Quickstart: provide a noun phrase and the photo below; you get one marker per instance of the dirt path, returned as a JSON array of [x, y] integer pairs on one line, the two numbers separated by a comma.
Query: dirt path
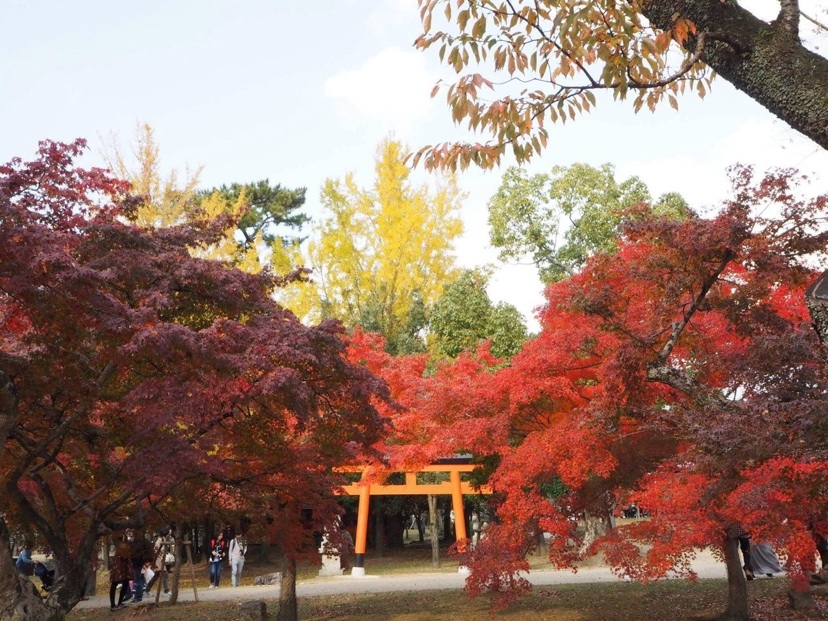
[[705, 565]]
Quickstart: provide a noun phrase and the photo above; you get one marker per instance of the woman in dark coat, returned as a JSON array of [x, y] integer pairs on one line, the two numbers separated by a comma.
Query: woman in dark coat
[[120, 573]]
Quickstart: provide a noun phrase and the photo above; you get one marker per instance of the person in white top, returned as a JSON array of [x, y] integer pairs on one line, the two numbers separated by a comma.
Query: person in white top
[[238, 548]]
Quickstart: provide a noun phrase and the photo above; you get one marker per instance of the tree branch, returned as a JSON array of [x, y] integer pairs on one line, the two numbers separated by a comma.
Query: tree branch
[[658, 371], [679, 326], [771, 67], [60, 430], [816, 23], [789, 16]]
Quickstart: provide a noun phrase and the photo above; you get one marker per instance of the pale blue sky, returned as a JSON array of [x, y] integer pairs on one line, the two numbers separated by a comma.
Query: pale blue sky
[[298, 91]]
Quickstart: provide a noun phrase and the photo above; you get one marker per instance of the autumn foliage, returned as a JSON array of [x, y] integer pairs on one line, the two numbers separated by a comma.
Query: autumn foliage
[[524, 65], [137, 378], [680, 371]]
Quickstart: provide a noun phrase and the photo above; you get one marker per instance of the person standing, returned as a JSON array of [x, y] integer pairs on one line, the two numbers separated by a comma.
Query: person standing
[[141, 555], [163, 550], [218, 550], [238, 548], [120, 573]]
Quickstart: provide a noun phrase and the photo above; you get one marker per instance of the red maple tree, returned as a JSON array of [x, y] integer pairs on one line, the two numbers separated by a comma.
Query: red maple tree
[[684, 368], [132, 374]]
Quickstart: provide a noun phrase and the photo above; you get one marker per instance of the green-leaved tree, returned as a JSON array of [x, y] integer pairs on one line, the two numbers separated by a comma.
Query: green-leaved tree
[[560, 219], [464, 316]]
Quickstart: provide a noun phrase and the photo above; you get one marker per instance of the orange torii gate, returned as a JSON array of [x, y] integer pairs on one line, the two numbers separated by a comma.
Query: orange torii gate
[[454, 487]]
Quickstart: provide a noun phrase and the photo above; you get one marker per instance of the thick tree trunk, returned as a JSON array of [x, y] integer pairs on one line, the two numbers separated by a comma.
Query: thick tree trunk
[[264, 551], [66, 593], [765, 61], [175, 577], [288, 609], [8, 406], [19, 600], [206, 537], [434, 530], [394, 525], [737, 603], [541, 548], [816, 298], [594, 527]]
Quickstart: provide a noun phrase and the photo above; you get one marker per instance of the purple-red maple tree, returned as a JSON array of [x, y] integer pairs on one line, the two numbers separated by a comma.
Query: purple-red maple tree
[[133, 374]]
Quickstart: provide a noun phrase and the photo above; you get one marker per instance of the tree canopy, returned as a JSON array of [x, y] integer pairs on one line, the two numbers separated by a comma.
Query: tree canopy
[[524, 63], [681, 368], [381, 255], [169, 198], [464, 316], [561, 219], [266, 224], [264, 220], [120, 351]]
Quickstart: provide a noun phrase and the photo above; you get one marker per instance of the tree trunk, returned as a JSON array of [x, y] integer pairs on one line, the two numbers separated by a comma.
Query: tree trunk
[[419, 521], [288, 610], [379, 528], [594, 527], [434, 531], [737, 604], [540, 546], [19, 600], [206, 537], [264, 551], [765, 61], [816, 298], [175, 577], [611, 504], [394, 531], [8, 408]]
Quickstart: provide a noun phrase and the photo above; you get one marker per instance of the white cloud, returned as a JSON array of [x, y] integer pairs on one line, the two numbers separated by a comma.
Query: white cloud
[[392, 88]]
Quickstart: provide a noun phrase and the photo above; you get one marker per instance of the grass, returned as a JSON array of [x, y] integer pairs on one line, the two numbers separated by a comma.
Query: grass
[[662, 601]]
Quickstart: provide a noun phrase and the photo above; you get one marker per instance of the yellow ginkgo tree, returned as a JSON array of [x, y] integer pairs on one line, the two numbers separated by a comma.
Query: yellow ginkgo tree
[[260, 213], [381, 255], [169, 198]]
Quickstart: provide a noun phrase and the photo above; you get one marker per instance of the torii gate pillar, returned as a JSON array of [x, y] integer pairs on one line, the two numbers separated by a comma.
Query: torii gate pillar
[[361, 543], [455, 487], [457, 505]]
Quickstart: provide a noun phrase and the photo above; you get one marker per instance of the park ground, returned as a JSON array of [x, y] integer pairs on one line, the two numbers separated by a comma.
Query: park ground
[[404, 587]]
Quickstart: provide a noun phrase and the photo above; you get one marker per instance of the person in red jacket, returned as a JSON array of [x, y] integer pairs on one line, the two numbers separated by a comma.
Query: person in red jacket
[[218, 552]]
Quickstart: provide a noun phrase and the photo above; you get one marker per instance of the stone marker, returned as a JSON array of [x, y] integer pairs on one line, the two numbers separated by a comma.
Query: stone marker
[[272, 578], [253, 611]]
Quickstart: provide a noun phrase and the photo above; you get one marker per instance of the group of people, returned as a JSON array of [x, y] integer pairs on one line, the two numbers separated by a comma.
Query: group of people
[[140, 562], [235, 552]]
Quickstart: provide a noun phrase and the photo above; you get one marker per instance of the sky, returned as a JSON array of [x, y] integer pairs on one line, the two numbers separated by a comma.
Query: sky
[[302, 91]]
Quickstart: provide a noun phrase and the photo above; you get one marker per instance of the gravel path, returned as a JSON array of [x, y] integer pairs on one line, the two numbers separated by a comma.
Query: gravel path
[[705, 566]]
